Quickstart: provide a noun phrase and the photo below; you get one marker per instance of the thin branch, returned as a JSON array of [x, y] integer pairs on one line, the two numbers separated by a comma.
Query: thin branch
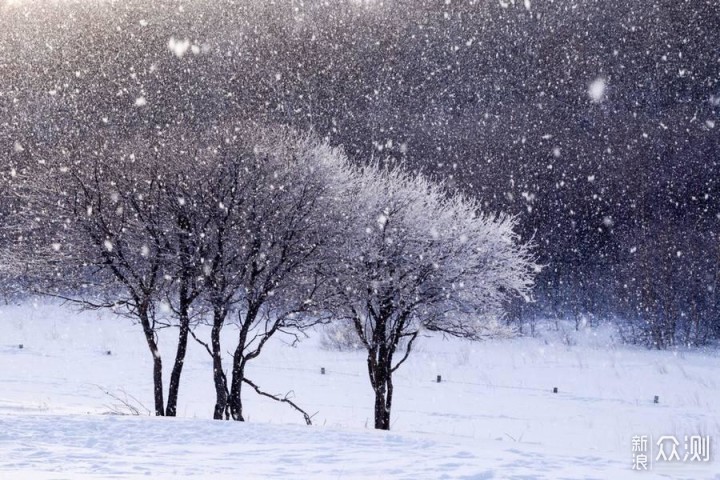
[[408, 348], [285, 399], [204, 344]]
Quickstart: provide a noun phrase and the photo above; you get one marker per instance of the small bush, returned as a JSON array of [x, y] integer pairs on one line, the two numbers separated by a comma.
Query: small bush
[[340, 336]]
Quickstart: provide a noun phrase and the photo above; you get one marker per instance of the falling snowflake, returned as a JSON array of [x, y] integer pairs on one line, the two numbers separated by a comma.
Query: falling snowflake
[[596, 90], [178, 47]]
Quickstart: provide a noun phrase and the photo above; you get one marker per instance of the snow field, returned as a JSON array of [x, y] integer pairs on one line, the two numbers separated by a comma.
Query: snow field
[[494, 414]]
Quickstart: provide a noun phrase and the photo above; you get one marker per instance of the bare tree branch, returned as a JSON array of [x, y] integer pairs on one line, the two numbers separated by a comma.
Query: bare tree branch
[[278, 398]]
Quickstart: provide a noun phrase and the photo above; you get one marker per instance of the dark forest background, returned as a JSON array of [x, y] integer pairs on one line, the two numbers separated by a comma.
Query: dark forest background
[[621, 195]]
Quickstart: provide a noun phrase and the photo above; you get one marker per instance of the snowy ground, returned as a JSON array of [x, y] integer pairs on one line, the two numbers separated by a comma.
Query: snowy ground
[[493, 416]]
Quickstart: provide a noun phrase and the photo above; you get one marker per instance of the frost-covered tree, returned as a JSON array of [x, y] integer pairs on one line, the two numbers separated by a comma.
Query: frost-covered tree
[[262, 208], [218, 199], [109, 237], [273, 215], [416, 258], [228, 222], [116, 231]]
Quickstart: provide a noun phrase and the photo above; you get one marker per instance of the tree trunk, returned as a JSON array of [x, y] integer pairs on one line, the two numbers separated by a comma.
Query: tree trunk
[[185, 299], [380, 369], [383, 400], [174, 389], [238, 374], [381, 380], [157, 360], [158, 382], [239, 362], [382, 408], [388, 400], [219, 378]]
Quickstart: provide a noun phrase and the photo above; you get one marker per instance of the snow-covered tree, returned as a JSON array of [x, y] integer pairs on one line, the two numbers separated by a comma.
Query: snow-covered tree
[[105, 236], [416, 258], [117, 232], [261, 210], [219, 196], [228, 221], [273, 217]]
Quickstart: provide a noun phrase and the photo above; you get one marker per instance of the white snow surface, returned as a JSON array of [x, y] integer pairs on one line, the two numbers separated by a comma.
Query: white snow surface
[[493, 415]]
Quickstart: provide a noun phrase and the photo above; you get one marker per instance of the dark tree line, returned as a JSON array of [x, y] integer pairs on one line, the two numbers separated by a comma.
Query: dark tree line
[[490, 96]]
